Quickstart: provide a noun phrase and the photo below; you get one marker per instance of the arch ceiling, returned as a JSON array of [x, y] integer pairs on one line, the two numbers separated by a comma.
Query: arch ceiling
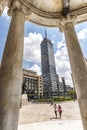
[[49, 12]]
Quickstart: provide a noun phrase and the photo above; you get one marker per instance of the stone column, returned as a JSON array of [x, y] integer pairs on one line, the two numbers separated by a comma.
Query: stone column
[[11, 73], [79, 69]]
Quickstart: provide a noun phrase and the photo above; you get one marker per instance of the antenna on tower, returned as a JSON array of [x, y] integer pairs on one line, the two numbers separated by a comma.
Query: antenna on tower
[[45, 33]]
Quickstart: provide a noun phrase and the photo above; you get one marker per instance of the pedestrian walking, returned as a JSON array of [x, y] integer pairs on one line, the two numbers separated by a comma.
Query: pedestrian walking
[[55, 110], [59, 111]]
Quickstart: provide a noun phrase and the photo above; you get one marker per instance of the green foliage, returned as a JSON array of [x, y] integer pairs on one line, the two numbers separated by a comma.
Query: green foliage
[[55, 99], [61, 98], [72, 93]]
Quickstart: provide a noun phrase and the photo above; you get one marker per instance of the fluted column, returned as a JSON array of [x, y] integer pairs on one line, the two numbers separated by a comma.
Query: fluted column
[[79, 69], [11, 73]]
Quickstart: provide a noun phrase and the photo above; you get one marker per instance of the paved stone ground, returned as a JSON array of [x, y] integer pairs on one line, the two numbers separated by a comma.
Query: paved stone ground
[[53, 125], [42, 117]]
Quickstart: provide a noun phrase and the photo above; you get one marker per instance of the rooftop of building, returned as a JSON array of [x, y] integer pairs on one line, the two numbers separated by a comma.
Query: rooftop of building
[[29, 72]]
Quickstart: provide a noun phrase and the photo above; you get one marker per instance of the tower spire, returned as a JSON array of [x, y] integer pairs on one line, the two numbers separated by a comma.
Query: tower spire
[[45, 33]]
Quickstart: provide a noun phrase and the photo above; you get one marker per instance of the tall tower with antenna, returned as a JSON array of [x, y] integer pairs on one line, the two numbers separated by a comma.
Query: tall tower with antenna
[[50, 78]]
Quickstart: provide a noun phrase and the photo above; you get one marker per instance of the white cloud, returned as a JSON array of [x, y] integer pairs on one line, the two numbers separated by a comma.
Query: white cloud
[[5, 13], [53, 42], [82, 34], [62, 43], [32, 51], [36, 68], [62, 62]]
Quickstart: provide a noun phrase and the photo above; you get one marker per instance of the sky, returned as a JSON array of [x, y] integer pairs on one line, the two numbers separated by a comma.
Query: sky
[[33, 35]]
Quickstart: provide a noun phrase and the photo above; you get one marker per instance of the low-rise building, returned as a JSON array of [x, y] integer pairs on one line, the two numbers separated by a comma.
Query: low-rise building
[[32, 84]]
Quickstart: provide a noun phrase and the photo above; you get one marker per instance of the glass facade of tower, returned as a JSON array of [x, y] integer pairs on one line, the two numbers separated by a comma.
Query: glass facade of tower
[[50, 78]]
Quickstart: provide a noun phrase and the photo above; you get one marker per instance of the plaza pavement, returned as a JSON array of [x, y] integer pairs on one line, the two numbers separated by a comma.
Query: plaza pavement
[[53, 125], [42, 117]]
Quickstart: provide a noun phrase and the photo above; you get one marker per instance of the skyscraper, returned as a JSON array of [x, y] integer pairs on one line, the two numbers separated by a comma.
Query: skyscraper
[[50, 78]]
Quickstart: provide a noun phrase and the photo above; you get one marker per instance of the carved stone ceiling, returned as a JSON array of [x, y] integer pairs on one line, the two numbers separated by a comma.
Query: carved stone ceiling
[[49, 12]]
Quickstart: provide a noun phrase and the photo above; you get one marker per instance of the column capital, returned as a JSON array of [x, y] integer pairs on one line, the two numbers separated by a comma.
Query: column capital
[[17, 5], [69, 19]]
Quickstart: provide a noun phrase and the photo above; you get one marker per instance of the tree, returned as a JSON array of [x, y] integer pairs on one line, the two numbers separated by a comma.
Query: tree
[[72, 93]]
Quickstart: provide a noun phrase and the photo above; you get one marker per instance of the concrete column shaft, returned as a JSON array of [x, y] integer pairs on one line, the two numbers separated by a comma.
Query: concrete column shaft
[[79, 69], [11, 73]]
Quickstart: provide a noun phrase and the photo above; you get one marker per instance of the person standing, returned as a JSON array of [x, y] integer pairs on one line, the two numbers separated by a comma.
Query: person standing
[[59, 111], [55, 110]]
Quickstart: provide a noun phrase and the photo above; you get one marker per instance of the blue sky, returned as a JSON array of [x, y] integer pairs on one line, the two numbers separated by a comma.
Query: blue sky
[[33, 35]]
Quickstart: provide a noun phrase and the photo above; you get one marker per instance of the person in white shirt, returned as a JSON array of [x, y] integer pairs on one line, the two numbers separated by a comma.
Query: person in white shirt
[[55, 110]]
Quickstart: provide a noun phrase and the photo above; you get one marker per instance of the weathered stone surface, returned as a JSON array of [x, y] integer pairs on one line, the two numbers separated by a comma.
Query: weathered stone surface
[[3, 3], [48, 13], [11, 73], [79, 69]]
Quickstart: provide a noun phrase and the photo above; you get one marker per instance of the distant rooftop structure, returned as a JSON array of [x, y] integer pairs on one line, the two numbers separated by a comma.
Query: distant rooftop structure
[[29, 72]]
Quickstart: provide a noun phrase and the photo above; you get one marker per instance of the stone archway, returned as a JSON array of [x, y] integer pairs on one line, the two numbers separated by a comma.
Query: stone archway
[[56, 14]]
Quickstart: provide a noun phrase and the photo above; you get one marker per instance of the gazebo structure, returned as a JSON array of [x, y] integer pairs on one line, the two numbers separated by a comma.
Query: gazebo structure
[[52, 13]]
